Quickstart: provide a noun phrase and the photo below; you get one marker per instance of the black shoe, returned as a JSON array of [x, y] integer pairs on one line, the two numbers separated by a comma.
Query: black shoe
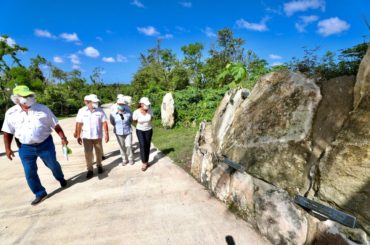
[[100, 170], [39, 199], [89, 174], [103, 158], [63, 183]]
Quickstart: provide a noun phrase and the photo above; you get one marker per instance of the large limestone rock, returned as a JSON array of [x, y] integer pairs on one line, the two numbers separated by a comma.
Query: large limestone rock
[[270, 133], [362, 86], [290, 133], [268, 208], [345, 169], [203, 158], [225, 114], [277, 217], [168, 111]]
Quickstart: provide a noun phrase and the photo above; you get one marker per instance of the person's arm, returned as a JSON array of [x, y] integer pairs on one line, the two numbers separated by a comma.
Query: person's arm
[[75, 132], [61, 134], [78, 133], [8, 138], [106, 132], [9, 131], [111, 119], [105, 126]]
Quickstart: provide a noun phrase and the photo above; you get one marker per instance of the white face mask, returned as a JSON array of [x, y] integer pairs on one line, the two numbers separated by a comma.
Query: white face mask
[[95, 105], [145, 107], [28, 101]]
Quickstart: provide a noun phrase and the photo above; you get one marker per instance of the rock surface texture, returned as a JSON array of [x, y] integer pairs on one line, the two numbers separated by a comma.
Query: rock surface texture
[[292, 135]]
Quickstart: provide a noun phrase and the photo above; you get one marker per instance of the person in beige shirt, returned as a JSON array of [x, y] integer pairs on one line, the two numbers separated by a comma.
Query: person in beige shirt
[[91, 122]]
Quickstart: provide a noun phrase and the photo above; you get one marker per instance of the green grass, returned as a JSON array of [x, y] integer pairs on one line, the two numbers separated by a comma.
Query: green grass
[[176, 143], [66, 116]]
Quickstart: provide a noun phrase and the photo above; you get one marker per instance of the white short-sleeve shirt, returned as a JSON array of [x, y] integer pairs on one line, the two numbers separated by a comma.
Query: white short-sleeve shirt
[[92, 122], [144, 122], [31, 127]]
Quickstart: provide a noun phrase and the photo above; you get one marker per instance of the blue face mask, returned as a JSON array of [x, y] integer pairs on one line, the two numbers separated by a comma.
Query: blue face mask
[[121, 107]]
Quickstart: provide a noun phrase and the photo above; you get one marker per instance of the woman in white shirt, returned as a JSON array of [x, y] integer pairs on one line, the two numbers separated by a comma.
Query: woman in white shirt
[[144, 131]]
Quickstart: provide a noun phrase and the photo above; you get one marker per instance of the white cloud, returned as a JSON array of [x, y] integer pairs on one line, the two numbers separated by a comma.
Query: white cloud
[[181, 29], [109, 59], [69, 37], [137, 3], [332, 26], [58, 59], [43, 33], [275, 57], [75, 59], [167, 36], [91, 52], [209, 32], [302, 5], [121, 58], [276, 63], [76, 67], [99, 39], [148, 31], [10, 41], [253, 26], [186, 4], [305, 21]]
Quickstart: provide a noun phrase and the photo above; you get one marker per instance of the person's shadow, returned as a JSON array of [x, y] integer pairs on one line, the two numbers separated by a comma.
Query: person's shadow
[[159, 155], [78, 178], [109, 167], [81, 177]]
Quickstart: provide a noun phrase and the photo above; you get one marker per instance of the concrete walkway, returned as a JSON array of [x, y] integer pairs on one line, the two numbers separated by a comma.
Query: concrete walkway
[[163, 205]]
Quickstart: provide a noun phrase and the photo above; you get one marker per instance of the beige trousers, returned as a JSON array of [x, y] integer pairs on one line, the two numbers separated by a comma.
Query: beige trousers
[[89, 145]]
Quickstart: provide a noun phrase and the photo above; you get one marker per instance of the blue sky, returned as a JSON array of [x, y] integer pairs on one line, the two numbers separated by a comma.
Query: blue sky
[[111, 34]]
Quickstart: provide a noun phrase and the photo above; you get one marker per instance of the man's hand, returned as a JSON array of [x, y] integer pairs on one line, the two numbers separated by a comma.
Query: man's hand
[[64, 141], [9, 154], [75, 134], [106, 138], [79, 140]]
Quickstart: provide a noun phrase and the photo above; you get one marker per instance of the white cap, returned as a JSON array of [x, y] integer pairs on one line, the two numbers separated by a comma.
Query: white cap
[[145, 101], [128, 99], [87, 97], [120, 96], [93, 98], [121, 101]]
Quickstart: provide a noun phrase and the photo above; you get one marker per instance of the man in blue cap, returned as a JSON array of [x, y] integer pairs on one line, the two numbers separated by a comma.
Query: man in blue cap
[[32, 125]]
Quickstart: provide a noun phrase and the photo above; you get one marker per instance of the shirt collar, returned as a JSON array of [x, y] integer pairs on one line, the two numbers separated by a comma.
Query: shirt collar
[[19, 108]]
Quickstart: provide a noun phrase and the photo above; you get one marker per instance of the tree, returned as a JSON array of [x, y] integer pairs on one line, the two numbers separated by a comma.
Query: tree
[[228, 50], [192, 61]]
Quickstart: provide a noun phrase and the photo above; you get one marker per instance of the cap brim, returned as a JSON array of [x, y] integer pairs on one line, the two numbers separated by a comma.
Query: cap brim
[[23, 94], [95, 100]]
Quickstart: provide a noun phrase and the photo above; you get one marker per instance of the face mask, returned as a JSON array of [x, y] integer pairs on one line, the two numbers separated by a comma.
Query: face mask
[[95, 105], [121, 107], [28, 101], [145, 107]]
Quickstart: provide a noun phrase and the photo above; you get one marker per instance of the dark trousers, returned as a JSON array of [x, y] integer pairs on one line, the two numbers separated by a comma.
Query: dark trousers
[[145, 139], [29, 154]]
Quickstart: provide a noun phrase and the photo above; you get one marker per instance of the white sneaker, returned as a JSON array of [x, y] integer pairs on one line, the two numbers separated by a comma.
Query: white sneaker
[[124, 163], [131, 162]]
